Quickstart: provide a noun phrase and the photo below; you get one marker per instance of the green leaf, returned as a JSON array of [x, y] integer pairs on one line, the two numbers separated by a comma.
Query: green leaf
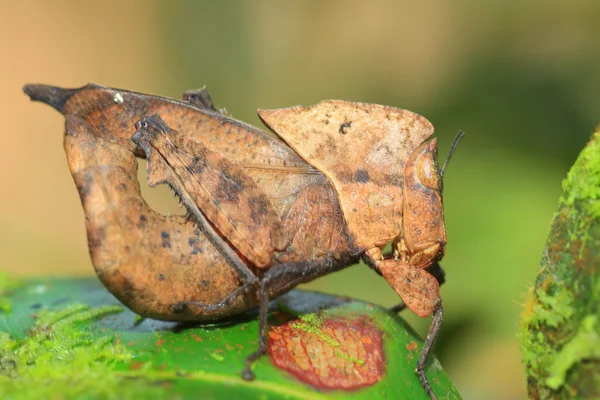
[[70, 338]]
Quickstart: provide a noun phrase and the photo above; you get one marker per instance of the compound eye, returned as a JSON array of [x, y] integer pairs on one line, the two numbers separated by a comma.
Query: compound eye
[[428, 171], [141, 124]]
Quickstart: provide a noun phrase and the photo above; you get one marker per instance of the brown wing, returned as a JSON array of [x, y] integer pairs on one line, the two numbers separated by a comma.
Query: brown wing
[[362, 148], [316, 223], [110, 114], [224, 193]]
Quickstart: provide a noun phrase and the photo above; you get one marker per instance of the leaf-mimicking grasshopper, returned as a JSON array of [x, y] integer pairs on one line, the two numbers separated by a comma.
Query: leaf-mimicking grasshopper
[[264, 214]]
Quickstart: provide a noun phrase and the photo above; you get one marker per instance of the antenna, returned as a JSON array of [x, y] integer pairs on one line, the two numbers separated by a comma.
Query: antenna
[[457, 140]]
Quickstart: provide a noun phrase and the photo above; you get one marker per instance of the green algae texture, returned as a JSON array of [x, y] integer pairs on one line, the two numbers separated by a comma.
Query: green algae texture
[[560, 338]]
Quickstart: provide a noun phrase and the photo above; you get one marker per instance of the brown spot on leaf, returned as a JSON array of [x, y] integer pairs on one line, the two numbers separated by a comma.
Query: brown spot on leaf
[[329, 354], [136, 365], [412, 346]]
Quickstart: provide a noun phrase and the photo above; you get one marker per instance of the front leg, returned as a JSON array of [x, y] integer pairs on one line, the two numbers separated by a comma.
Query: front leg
[[202, 99], [420, 291], [438, 273]]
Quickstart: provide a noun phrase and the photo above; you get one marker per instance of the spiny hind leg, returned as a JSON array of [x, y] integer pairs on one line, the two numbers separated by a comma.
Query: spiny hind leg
[[223, 303]]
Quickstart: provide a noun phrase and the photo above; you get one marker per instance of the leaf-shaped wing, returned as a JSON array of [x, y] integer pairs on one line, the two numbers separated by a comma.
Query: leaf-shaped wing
[[315, 223], [362, 148], [220, 189], [110, 114]]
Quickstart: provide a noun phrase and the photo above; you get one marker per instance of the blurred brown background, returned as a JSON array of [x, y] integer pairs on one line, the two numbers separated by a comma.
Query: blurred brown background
[[521, 78]]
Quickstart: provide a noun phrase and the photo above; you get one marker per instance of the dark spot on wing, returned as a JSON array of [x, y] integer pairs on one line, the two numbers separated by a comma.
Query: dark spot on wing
[[345, 126], [259, 208], [96, 238], [142, 222], [362, 176], [230, 189], [197, 165], [193, 242], [166, 239]]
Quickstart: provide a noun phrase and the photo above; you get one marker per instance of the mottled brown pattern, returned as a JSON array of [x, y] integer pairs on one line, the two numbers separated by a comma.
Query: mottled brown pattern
[[127, 239], [361, 148], [155, 263], [418, 289], [387, 180], [424, 234], [370, 178], [315, 224], [225, 194], [111, 114]]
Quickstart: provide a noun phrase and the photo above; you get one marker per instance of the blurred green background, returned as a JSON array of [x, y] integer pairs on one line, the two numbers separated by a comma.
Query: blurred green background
[[521, 78]]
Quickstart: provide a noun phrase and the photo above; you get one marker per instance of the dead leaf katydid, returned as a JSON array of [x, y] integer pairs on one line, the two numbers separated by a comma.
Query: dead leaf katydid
[[262, 219]]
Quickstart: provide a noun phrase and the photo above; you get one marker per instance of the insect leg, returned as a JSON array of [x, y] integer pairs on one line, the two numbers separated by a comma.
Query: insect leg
[[420, 291], [223, 303], [397, 308], [432, 335], [436, 270], [263, 332], [200, 98]]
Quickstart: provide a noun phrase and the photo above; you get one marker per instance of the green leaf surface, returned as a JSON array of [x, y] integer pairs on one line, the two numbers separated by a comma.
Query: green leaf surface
[[70, 338]]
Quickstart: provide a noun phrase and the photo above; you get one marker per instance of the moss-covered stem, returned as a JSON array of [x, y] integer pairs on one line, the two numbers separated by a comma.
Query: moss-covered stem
[[560, 339]]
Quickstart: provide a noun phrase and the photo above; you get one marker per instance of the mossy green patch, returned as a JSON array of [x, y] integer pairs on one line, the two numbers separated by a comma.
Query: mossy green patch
[[559, 339], [349, 358], [584, 345], [217, 356], [59, 359], [311, 323], [547, 311], [582, 183], [552, 310]]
